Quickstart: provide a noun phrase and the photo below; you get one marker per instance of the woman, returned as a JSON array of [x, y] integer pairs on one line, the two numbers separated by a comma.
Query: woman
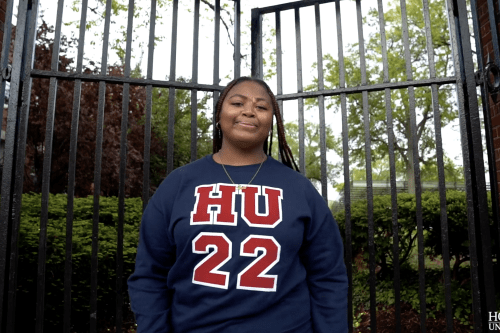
[[237, 241]]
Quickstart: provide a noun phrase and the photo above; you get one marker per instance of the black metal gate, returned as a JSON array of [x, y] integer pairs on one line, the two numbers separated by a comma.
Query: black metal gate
[[21, 72]]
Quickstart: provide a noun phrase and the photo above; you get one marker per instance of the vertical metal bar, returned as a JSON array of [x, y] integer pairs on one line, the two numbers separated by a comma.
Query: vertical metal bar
[[14, 152], [171, 91], [279, 61], [68, 271], [478, 207], [194, 92], [488, 127], [441, 174], [5, 186], [97, 172], [4, 61], [256, 43], [149, 107], [493, 28], [413, 142], [369, 185], [392, 167], [347, 185], [216, 56], [237, 39], [455, 41], [123, 171], [321, 104], [47, 160], [300, 88]]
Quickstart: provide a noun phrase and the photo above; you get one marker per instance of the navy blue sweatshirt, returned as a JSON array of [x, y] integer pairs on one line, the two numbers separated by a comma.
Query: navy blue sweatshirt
[[218, 257]]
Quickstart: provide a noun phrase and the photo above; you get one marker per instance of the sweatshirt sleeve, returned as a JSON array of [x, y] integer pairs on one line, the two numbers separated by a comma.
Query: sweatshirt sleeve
[[149, 295], [323, 259]]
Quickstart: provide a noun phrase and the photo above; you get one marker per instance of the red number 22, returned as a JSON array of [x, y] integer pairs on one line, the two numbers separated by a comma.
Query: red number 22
[[253, 277]]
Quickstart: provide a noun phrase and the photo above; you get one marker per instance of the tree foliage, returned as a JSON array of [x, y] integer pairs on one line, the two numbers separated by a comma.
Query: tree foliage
[[86, 143], [399, 97]]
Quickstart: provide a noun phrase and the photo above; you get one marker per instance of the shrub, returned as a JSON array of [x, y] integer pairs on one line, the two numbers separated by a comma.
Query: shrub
[[82, 253]]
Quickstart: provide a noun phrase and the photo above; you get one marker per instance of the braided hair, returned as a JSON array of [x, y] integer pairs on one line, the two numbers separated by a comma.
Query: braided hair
[[284, 149]]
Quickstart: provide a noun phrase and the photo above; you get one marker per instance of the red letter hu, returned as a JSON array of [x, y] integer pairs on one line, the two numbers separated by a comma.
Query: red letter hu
[[250, 211], [220, 196]]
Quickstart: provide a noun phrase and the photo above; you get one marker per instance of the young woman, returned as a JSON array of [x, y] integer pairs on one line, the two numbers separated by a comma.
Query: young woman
[[237, 241]]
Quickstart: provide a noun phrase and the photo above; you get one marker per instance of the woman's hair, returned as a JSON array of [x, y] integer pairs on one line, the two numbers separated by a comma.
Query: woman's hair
[[284, 149]]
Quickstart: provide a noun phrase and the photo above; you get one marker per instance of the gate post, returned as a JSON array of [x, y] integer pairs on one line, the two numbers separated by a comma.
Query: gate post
[[477, 208]]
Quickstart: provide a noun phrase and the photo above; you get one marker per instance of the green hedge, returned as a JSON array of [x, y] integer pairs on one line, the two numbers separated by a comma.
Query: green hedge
[[383, 232], [82, 253]]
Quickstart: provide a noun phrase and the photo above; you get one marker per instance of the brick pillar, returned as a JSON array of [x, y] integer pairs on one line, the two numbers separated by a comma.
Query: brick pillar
[[487, 48]]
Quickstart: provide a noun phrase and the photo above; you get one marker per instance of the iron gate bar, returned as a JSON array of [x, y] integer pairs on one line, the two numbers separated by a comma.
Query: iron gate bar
[[477, 170], [237, 41], [416, 167], [368, 88], [47, 159], [290, 5], [347, 185], [25, 46], [216, 59], [5, 182], [279, 62], [300, 89], [194, 93], [493, 29], [68, 269], [369, 182], [392, 167], [97, 172], [490, 147], [441, 174], [462, 96], [457, 57], [149, 106], [122, 173], [321, 104], [5, 59], [38, 73], [171, 91], [256, 41]]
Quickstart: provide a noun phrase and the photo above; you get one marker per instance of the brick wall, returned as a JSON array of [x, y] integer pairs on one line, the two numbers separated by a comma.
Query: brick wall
[[486, 41]]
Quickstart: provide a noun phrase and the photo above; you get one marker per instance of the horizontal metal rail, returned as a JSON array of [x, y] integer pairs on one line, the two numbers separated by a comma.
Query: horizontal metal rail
[[368, 88], [37, 73]]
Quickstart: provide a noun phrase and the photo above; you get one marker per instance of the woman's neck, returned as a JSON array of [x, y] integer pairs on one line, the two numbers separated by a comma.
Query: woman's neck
[[238, 157]]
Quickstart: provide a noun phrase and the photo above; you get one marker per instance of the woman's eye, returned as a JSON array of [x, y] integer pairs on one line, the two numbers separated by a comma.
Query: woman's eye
[[237, 104], [260, 107]]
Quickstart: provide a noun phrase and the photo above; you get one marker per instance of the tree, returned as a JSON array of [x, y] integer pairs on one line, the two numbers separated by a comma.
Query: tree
[[182, 127], [312, 149], [87, 130], [400, 99]]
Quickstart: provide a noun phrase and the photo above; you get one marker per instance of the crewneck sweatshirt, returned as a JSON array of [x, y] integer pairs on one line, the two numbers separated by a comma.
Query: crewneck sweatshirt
[[217, 257]]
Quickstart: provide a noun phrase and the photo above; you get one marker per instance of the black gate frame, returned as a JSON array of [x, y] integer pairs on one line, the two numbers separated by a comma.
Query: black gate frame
[[21, 72]]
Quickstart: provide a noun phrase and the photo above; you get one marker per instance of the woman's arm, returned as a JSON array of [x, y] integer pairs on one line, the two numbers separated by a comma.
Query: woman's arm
[[149, 295], [323, 259]]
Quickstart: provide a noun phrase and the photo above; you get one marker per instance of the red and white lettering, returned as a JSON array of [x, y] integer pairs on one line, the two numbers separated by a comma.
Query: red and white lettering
[[254, 277], [221, 196], [250, 210], [207, 271]]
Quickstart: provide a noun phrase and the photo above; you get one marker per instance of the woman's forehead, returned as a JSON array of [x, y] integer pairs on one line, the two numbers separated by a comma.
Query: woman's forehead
[[250, 89]]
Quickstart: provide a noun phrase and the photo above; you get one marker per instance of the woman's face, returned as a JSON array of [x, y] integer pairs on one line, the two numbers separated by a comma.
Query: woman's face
[[246, 116]]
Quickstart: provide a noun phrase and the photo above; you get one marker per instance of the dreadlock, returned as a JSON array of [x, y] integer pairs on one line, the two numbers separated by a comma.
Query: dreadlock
[[284, 149]]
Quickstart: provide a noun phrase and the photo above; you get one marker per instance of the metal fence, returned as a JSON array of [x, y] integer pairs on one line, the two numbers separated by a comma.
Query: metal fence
[[21, 73]]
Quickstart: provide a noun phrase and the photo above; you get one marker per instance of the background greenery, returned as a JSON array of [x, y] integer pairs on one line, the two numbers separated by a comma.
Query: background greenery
[[108, 217]]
